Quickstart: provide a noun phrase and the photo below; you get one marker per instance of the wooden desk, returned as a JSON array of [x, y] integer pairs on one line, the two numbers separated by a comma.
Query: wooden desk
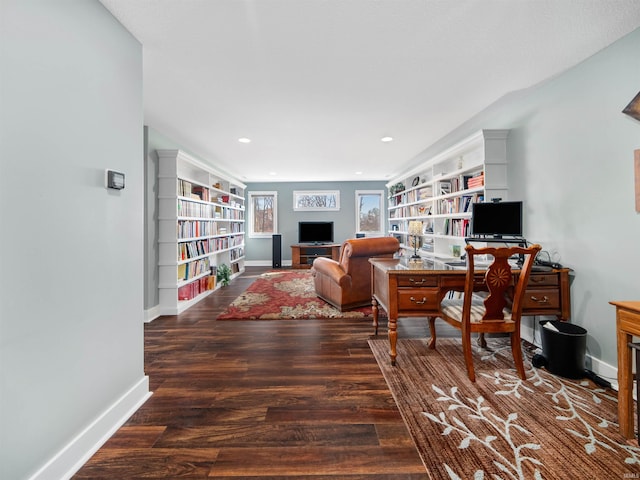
[[417, 292], [627, 325]]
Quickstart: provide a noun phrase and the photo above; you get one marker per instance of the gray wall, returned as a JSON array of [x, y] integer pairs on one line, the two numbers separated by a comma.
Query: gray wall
[[570, 155], [71, 329], [259, 250]]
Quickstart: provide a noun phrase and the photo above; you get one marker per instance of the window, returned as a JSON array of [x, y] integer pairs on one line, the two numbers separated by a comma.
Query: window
[[369, 212], [263, 214]]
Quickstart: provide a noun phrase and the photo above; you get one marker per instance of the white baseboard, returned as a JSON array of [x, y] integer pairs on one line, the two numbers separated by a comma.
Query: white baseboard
[[264, 263], [152, 313], [76, 453]]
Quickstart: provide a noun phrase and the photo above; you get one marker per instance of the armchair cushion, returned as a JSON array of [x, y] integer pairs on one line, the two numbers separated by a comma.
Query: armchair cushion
[[346, 283]]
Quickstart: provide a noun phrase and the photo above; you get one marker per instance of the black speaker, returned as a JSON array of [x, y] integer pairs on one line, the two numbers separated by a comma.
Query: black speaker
[[276, 250]]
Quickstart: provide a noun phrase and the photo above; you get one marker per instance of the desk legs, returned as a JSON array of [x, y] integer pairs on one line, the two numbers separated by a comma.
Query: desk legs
[[625, 384], [432, 331], [393, 338], [392, 326], [374, 311]]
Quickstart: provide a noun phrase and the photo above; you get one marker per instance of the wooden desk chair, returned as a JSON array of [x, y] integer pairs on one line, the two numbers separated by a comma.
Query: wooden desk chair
[[500, 311]]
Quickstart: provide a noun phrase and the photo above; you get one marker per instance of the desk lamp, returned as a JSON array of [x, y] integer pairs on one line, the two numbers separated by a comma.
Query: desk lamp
[[415, 230]]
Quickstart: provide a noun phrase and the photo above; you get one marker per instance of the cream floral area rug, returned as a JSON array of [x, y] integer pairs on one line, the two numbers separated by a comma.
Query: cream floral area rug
[[502, 427]]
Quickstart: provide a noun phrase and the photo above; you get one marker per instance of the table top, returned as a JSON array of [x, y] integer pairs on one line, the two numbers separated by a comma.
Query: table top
[[431, 266], [627, 304], [427, 266]]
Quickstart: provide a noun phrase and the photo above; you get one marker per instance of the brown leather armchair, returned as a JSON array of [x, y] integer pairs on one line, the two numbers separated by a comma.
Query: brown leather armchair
[[347, 284]]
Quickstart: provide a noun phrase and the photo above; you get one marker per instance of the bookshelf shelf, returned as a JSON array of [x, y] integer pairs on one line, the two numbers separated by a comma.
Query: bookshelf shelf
[[439, 192], [201, 226]]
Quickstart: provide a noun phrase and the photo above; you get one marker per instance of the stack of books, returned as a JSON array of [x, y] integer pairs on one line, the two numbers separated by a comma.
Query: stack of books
[[476, 181]]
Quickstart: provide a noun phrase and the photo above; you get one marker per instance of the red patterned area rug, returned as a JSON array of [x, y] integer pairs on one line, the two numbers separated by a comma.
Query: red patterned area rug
[[502, 427], [285, 294]]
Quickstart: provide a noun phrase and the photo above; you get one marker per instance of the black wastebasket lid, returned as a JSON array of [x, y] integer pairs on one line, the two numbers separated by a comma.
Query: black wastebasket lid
[[564, 328]]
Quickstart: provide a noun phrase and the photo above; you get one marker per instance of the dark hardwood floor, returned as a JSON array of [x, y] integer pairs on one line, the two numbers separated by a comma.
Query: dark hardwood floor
[[261, 399]]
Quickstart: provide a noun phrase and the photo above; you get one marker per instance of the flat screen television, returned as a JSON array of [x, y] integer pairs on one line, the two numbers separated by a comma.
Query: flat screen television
[[315, 232], [496, 219]]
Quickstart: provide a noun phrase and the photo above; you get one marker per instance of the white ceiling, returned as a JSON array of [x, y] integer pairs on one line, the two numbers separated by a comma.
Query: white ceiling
[[315, 84]]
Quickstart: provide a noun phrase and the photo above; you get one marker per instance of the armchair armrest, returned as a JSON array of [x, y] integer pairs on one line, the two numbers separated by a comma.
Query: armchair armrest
[[332, 270]]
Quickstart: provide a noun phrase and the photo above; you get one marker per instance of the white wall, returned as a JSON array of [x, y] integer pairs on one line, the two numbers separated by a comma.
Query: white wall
[[71, 290], [570, 155]]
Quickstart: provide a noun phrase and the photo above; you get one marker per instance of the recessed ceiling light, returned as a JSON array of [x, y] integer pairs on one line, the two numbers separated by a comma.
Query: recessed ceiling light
[[386, 139], [244, 140], [272, 173], [358, 173]]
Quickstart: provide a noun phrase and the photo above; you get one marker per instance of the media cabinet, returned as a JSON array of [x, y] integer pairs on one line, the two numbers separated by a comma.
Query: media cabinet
[[303, 255]]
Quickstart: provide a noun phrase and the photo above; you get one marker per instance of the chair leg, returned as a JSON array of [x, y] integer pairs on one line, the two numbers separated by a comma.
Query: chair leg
[[468, 357], [516, 350], [432, 330]]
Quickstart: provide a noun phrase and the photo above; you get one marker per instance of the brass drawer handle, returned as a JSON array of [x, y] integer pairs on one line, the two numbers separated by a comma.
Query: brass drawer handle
[[419, 302], [534, 279], [544, 299], [415, 282]]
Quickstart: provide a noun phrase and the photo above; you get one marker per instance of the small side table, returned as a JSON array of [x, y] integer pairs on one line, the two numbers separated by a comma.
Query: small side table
[[627, 325]]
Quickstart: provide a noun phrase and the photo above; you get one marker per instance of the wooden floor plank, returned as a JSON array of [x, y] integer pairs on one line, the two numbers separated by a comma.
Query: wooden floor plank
[[277, 399], [292, 461]]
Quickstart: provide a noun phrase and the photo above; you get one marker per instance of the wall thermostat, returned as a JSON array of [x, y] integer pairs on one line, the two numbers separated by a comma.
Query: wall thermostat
[[115, 180]]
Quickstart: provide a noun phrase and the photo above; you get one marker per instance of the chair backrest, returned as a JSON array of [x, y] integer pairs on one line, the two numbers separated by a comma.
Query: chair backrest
[[499, 280], [356, 252]]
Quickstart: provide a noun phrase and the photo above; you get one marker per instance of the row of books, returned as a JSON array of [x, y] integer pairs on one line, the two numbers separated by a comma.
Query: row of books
[[199, 192], [194, 209], [457, 227], [236, 228], [236, 254], [423, 193], [193, 289], [411, 211], [223, 243], [194, 249], [207, 210], [460, 204], [476, 181], [190, 190], [193, 269], [184, 188], [196, 228], [234, 214]]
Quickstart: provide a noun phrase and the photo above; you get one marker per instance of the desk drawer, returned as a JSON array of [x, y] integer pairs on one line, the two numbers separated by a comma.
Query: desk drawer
[[418, 299], [541, 299], [629, 321], [543, 279], [417, 281]]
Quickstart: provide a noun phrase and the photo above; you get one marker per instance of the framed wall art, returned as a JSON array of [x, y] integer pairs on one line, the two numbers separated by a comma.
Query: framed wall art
[[307, 200]]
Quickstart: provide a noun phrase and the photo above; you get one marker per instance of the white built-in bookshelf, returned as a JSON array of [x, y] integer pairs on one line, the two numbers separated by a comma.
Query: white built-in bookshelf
[[439, 193], [201, 226]]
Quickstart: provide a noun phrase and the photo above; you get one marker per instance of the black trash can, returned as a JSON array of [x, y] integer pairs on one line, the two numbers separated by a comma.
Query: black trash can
[[563, 351]]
